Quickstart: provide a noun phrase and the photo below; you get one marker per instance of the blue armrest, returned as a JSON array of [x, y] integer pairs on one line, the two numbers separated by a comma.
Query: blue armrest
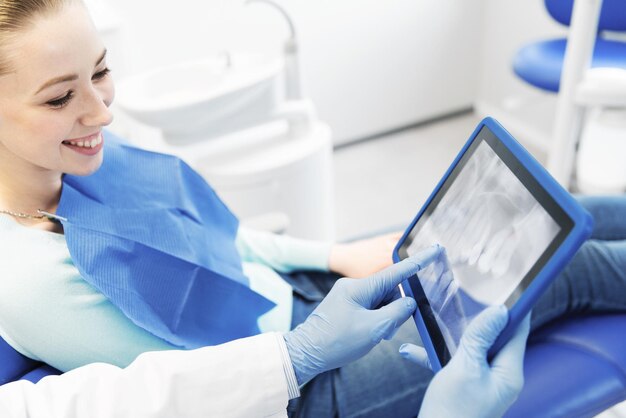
[[574, 368], [14, 366]]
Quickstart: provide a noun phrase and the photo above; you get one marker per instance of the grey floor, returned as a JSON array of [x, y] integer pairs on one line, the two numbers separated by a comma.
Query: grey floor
[[382, 183]]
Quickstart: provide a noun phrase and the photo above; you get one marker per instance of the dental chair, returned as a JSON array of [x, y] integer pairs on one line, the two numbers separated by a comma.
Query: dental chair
[[573, 368], [14, 366], [588, 71]]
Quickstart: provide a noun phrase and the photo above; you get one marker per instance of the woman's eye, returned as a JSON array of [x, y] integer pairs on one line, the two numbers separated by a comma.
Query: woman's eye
[[101, 74], [58, 103]]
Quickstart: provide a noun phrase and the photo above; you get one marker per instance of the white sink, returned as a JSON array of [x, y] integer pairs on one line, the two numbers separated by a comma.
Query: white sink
[[200, 100]]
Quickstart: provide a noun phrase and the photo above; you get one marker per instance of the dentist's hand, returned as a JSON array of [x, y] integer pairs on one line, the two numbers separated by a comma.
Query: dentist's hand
[[469, 386], [347, 324]]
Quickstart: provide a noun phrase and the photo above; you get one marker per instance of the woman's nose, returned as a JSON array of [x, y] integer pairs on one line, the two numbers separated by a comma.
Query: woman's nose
[[97, 112]]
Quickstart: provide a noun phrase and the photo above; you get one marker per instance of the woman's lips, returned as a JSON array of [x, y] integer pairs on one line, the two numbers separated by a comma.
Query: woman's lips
[[86, 150]]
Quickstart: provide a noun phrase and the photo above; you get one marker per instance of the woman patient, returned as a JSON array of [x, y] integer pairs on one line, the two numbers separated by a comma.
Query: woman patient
[[55, 93]]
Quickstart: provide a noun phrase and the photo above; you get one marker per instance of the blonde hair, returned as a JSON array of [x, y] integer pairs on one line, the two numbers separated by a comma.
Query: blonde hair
[[18, 15]]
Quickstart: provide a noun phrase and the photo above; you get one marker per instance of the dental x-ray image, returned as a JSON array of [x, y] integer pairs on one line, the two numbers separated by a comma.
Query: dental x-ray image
[[493, 230]]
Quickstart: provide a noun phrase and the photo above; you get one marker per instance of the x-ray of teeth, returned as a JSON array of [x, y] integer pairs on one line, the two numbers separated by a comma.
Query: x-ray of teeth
[[447, 301], [493, 230]]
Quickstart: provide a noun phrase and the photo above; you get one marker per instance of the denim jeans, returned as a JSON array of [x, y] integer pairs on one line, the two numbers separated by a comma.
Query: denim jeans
[[595, 279], [382, 384]]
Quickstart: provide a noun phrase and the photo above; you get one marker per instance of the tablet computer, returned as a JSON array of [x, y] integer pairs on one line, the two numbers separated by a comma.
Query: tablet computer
[[508, 228]]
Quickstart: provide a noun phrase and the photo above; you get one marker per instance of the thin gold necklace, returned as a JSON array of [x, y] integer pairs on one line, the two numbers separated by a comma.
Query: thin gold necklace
[[42, 215]]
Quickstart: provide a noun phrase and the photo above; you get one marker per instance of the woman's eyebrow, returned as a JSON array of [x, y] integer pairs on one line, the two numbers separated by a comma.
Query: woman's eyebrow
[[69, 77]]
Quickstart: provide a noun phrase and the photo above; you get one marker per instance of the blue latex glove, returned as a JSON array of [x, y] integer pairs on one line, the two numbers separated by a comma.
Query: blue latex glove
[[346, 325], [468, 386]]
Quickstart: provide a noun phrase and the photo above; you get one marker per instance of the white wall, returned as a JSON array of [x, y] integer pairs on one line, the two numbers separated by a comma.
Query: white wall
[[509, 24], [524, 110], [369, 65]]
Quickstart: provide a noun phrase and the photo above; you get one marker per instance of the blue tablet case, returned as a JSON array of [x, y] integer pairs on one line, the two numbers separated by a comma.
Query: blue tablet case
[[583, 224]]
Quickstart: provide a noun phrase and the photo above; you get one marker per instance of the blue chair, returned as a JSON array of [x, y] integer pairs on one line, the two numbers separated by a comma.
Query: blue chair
[[573, 368], [560, 65], [14, 366], [540, 63]]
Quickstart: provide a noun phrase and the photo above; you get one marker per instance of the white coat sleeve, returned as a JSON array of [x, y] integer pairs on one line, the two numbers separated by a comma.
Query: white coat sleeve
[[242, 378]]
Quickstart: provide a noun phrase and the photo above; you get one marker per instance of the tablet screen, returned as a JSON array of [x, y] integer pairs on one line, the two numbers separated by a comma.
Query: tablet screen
[[499, 227]]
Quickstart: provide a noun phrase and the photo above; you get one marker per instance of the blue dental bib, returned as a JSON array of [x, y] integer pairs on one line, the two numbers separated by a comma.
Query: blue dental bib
[[150, 234]]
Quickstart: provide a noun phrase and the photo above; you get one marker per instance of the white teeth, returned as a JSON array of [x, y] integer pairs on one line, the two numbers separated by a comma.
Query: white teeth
[[86, 144]]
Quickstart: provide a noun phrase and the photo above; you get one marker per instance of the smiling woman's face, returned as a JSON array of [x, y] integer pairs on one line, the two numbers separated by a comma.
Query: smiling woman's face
[[56, 89]]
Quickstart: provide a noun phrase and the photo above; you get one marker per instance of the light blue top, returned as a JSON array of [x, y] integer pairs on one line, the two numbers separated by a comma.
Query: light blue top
[[49, 313]]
